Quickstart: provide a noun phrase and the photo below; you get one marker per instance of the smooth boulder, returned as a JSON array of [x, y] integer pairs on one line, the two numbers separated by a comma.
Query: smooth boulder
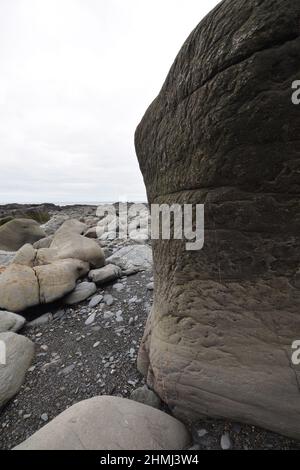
[[19, 288], [10, 322], [18, 232], [18, 358], [223, 132], [110, 423]]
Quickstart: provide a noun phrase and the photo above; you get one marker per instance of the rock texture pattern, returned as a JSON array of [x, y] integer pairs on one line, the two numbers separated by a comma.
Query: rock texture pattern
[[110, 423], [224, 132]]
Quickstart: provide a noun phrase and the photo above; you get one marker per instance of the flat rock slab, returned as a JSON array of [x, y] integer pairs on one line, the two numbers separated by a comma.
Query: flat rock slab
[[132, 259], [19, 355], [110, 423]]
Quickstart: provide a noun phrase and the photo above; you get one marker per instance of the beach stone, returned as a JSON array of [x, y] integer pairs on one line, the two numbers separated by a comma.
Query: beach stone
[[106, 274], [25, 256], [19, 288], [132, 259], [18, 232], [146, 396], [19, 356], [102, 423], [42, 320], [59, 278], [90, 320], [95, 301], [69, 243], [54, 224], [82, 291], [11, 322], [226, 443], [43, 243], [108, 299], [225, 314]]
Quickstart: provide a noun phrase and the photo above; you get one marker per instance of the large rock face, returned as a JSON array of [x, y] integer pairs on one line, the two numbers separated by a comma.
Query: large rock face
[[224, 132], [14, 234]]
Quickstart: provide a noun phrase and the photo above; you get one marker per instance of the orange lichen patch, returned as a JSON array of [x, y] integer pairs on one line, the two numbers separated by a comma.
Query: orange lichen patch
[[2, 269]]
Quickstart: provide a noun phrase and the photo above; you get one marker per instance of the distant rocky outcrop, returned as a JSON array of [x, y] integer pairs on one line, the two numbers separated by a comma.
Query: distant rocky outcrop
[[223, 132]]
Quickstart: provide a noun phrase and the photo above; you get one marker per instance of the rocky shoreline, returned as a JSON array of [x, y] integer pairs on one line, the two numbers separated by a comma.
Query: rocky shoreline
[[88, 348]]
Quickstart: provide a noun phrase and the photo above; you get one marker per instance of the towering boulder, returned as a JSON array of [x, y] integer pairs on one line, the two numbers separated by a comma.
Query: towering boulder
[[223, 132]]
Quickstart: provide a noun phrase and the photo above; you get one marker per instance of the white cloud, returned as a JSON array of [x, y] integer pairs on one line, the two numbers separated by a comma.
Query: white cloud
[[76, 77]]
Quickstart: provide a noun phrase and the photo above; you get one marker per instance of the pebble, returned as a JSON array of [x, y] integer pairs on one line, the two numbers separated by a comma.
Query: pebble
[[96, 344], [226, 443], [150, 286], [118, 286], [95, 301], [202, 432], [108, 299], [91, 319], [44, 417]]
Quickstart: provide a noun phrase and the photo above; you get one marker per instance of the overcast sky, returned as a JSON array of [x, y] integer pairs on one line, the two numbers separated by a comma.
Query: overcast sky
[[76, 77]]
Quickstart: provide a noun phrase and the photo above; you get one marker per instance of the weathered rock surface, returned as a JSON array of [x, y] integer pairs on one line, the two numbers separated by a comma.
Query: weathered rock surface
[[69, 243], [22, 286], [83, 291], [19, 288], [59, 278], [106, 274], [132, 259], [110, 423], [223, 132], [19, 355], [18, 232], [10, 322]]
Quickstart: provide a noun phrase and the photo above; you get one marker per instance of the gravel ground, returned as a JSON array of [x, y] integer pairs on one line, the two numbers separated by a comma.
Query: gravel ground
[[74, 362]]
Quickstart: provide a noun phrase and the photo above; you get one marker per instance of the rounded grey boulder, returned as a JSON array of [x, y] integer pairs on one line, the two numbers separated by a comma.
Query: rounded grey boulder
[[110, 423]]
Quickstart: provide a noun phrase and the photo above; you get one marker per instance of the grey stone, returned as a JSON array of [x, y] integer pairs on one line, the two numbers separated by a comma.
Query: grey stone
[[83, 291], [18, 232], [108, 299], [90, 320], [146, 396], [42, 320], [226, 443], [95, 301], [19, 356], [11, 322], [106, 274], [132, 259]]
